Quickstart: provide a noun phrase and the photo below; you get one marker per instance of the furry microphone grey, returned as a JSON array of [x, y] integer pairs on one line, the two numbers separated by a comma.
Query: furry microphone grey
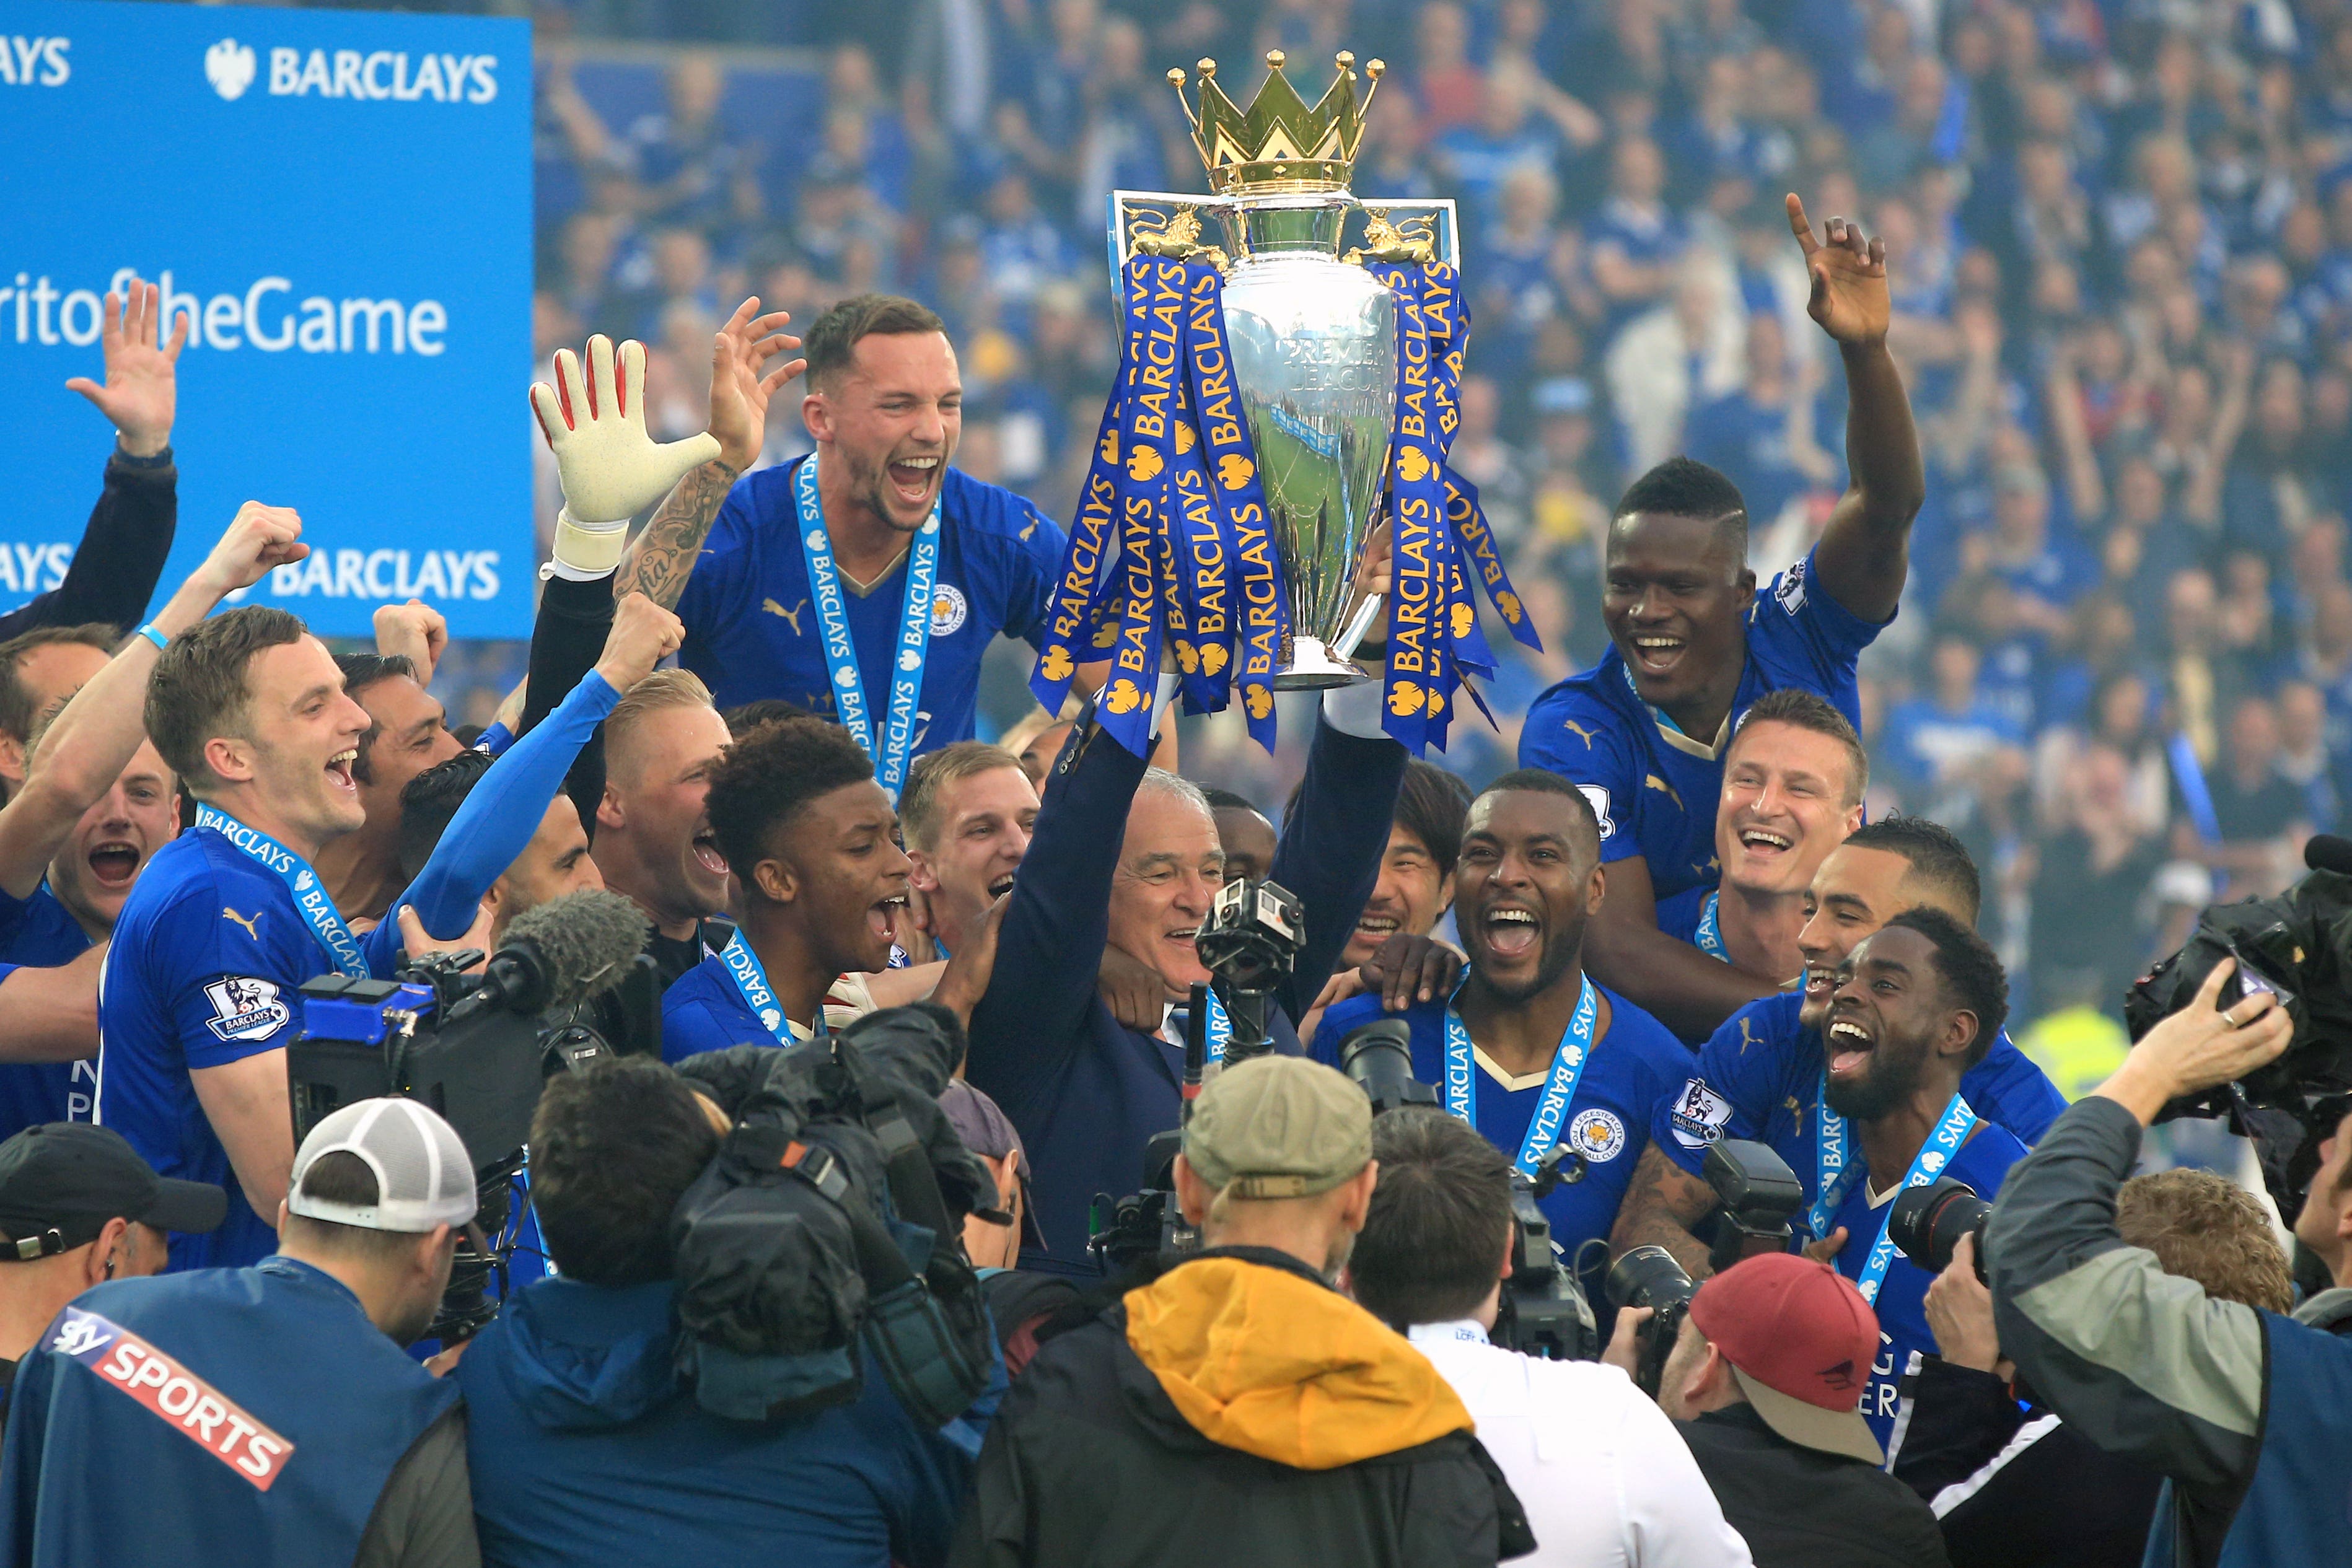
[[560, 954]]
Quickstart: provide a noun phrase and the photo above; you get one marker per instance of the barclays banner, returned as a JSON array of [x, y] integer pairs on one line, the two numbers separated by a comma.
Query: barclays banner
[[339, 202]]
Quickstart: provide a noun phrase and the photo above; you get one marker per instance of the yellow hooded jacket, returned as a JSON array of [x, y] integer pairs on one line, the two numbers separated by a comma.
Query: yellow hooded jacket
[[1265, 1362]]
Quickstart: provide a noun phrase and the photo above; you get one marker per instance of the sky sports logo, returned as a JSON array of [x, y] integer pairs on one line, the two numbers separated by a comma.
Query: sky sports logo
[[390, 74]]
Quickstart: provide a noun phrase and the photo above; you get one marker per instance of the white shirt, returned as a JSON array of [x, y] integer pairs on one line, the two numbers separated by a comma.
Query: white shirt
[[1606, 1479]]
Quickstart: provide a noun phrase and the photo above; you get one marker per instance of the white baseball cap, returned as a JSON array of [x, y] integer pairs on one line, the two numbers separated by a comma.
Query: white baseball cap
[[423, 1175]]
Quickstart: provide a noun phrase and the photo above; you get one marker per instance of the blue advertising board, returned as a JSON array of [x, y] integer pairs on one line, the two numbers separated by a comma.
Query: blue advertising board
[[340, 203]]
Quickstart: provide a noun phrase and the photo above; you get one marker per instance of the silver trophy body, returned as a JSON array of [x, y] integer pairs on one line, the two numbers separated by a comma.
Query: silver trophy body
[[1314, 345]]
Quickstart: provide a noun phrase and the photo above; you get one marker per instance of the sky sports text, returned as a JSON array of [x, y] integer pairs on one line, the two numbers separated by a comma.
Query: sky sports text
[[39, 313]]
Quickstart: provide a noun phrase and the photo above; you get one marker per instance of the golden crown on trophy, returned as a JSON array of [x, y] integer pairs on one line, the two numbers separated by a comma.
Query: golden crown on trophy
[[1278, 144]]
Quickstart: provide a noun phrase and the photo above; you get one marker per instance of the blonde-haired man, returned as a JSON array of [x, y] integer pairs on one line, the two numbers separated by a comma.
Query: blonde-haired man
[[652, 839]]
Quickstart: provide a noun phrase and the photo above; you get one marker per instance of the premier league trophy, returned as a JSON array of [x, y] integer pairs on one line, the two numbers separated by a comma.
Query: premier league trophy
[[1281, 396]]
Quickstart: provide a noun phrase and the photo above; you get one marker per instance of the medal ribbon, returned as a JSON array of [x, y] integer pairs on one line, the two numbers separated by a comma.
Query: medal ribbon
[[751, 984], [1709, 938], [1568, 1062], [310, 900], [893, 749], [1937, 1152]]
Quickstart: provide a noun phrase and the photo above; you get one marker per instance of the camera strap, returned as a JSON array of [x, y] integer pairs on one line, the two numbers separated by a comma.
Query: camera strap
[[1937, 1152], [1567, 1071], [310, 894], [891, 741]]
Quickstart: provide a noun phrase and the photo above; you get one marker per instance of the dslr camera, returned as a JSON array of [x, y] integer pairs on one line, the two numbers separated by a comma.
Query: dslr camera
[[1757, 1194]]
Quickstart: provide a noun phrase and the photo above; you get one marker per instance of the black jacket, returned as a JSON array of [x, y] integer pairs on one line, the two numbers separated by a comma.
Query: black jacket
[[115, 568], [2017, 1488], [1799, 1508], [1089, 1462]]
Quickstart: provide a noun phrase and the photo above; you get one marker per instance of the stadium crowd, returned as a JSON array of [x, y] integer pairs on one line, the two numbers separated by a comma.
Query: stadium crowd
[[1609, 1147]]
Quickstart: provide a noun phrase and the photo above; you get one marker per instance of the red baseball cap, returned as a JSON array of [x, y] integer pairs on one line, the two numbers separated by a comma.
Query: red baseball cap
[[1801, 1340]]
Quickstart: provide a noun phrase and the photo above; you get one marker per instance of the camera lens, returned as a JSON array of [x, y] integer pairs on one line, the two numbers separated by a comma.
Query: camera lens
[[1378, 1057], [1927, 1222], [1648, 1277]]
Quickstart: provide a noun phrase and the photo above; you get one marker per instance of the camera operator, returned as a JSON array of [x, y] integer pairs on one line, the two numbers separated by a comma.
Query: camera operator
[[1605, 1479], [1020, 1300], [272, 1410], [2248, 1412], [229, 919], [1129, 857], [1763, 1376], [1760, 1077], [1529, 1051], [588, 1447], [1237, 1409], [77, 1207], [2012, 1482]]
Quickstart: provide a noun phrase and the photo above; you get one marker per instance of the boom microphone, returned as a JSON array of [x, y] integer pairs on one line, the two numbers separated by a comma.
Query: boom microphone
[[559, 955], [2328, 851]]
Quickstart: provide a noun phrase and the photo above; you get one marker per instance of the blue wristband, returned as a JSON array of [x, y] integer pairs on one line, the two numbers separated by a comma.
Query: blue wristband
[[154, 634]]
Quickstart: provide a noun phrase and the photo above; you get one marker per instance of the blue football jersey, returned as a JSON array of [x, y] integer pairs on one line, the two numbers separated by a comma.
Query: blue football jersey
[[1634, 1067], [37, 933], [1760, 1078], [208, 955], [1983, 1163], [752, 625], [1654, 788]]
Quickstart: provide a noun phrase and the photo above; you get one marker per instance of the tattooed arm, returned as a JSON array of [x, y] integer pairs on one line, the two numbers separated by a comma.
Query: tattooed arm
[[664, 555]]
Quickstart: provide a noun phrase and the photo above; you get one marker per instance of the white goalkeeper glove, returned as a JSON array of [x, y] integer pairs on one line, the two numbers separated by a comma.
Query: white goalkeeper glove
[[610, 468]]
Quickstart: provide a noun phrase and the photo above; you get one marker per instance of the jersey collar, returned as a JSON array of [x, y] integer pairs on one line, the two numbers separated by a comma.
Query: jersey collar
[[1672, 733]]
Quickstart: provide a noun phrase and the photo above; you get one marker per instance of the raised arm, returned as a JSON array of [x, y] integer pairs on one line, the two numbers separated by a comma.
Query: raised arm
[[1332, 840], [498, 817], [84, 748], [1028, 1024], [2141, 1362], [1864, 550], [124, 546], [658, 565]]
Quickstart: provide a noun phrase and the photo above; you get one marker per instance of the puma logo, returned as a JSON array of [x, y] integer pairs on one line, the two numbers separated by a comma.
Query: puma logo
[[1578, 731], [1027, 531], [251, 922], [1745, 1039], [1654, 782], [792, 615]]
